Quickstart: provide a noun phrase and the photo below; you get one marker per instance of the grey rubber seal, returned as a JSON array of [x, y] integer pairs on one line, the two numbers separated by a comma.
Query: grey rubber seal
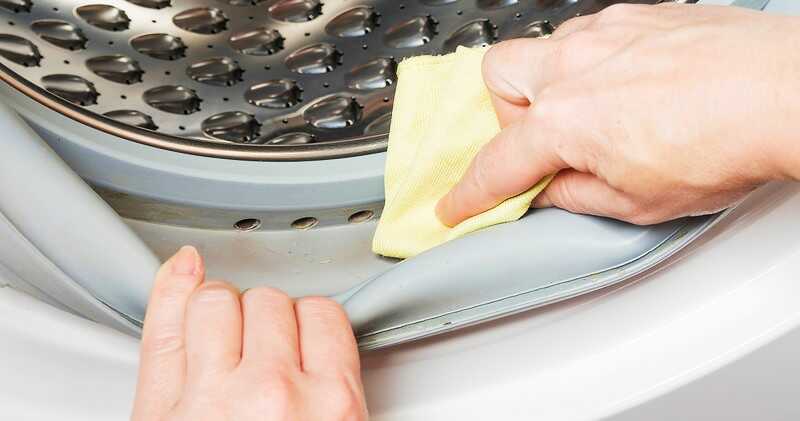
[[57, 212]]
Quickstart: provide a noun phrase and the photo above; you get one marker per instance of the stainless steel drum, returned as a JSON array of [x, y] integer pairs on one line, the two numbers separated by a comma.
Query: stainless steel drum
[[249, 79]]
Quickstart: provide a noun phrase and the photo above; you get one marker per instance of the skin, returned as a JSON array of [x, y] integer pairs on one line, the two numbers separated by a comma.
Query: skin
[[209, 353], [647, 113]]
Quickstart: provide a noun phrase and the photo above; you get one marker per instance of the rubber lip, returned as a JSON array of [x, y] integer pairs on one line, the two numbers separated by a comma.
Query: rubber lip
[[344, 148]]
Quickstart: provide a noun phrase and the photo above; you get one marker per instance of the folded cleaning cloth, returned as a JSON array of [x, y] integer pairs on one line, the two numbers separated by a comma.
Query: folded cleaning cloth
[[442, 116]]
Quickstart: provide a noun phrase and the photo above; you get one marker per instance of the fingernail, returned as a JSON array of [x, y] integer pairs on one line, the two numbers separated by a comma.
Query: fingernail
[[185, 261], [541, 201], [441, 210]]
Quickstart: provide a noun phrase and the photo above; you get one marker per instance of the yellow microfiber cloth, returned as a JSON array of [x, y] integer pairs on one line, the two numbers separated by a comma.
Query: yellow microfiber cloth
[[442, 116]]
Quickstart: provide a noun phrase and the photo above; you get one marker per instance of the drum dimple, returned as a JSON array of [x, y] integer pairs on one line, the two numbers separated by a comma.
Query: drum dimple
[[19, 50], [117, 68], [173, 99], [232, 126], [257, 42], [295, 10], [355, 22], [74, 89], [278, 93], [133, 118], [60, 33], [219, 71], [303, 72], [414, 32], [160, 46], [104, 16], [314, 59], [202, 20]]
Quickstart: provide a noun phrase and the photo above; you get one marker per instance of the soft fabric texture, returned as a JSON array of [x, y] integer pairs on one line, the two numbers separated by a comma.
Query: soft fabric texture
[[442, 116]]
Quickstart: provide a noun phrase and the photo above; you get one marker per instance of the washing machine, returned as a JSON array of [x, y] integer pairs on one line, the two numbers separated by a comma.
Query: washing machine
[[256, 131]]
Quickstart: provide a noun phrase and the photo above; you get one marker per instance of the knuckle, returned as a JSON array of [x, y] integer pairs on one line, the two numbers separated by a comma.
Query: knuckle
[[636, 213], [265, 294], [167, 341], [214, 291], [551, 107], [569, 53], [272, 396], [565, 194], [319, 306], [346, 402], [617, 12]]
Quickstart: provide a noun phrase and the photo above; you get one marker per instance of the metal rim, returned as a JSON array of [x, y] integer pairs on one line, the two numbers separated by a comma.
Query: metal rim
[[329, 150], [347, 147]]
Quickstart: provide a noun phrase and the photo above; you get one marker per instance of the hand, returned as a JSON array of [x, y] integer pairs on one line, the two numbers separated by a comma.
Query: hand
[[210, 354], [647, 113]]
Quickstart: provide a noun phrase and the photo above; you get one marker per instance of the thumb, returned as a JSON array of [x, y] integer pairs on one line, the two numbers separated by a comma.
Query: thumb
[[516, 159], [584, 193]]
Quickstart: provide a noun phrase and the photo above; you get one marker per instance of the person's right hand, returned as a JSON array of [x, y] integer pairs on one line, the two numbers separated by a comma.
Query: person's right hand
[[647, 113]]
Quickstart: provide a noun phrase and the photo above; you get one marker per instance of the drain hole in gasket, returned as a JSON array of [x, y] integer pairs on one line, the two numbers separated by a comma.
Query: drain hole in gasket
[[305, 223], [361, 216], [247, 224]]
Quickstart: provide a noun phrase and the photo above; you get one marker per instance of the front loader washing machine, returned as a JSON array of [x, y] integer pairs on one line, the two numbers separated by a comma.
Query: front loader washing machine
[[257, 132]]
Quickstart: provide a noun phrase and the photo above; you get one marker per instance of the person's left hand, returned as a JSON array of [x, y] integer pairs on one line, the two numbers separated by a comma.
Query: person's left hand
[[210, 354]]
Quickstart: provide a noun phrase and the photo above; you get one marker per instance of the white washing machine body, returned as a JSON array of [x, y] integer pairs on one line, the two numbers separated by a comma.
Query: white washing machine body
[[712, 333]]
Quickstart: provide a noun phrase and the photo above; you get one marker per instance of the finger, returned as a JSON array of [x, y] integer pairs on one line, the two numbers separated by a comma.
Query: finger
[[507, 113], [573, 25], [162, 368], [213, 331], [513, 73], [270, 329], [509, 104], [516, 159], [584, 193], [327, 344]]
